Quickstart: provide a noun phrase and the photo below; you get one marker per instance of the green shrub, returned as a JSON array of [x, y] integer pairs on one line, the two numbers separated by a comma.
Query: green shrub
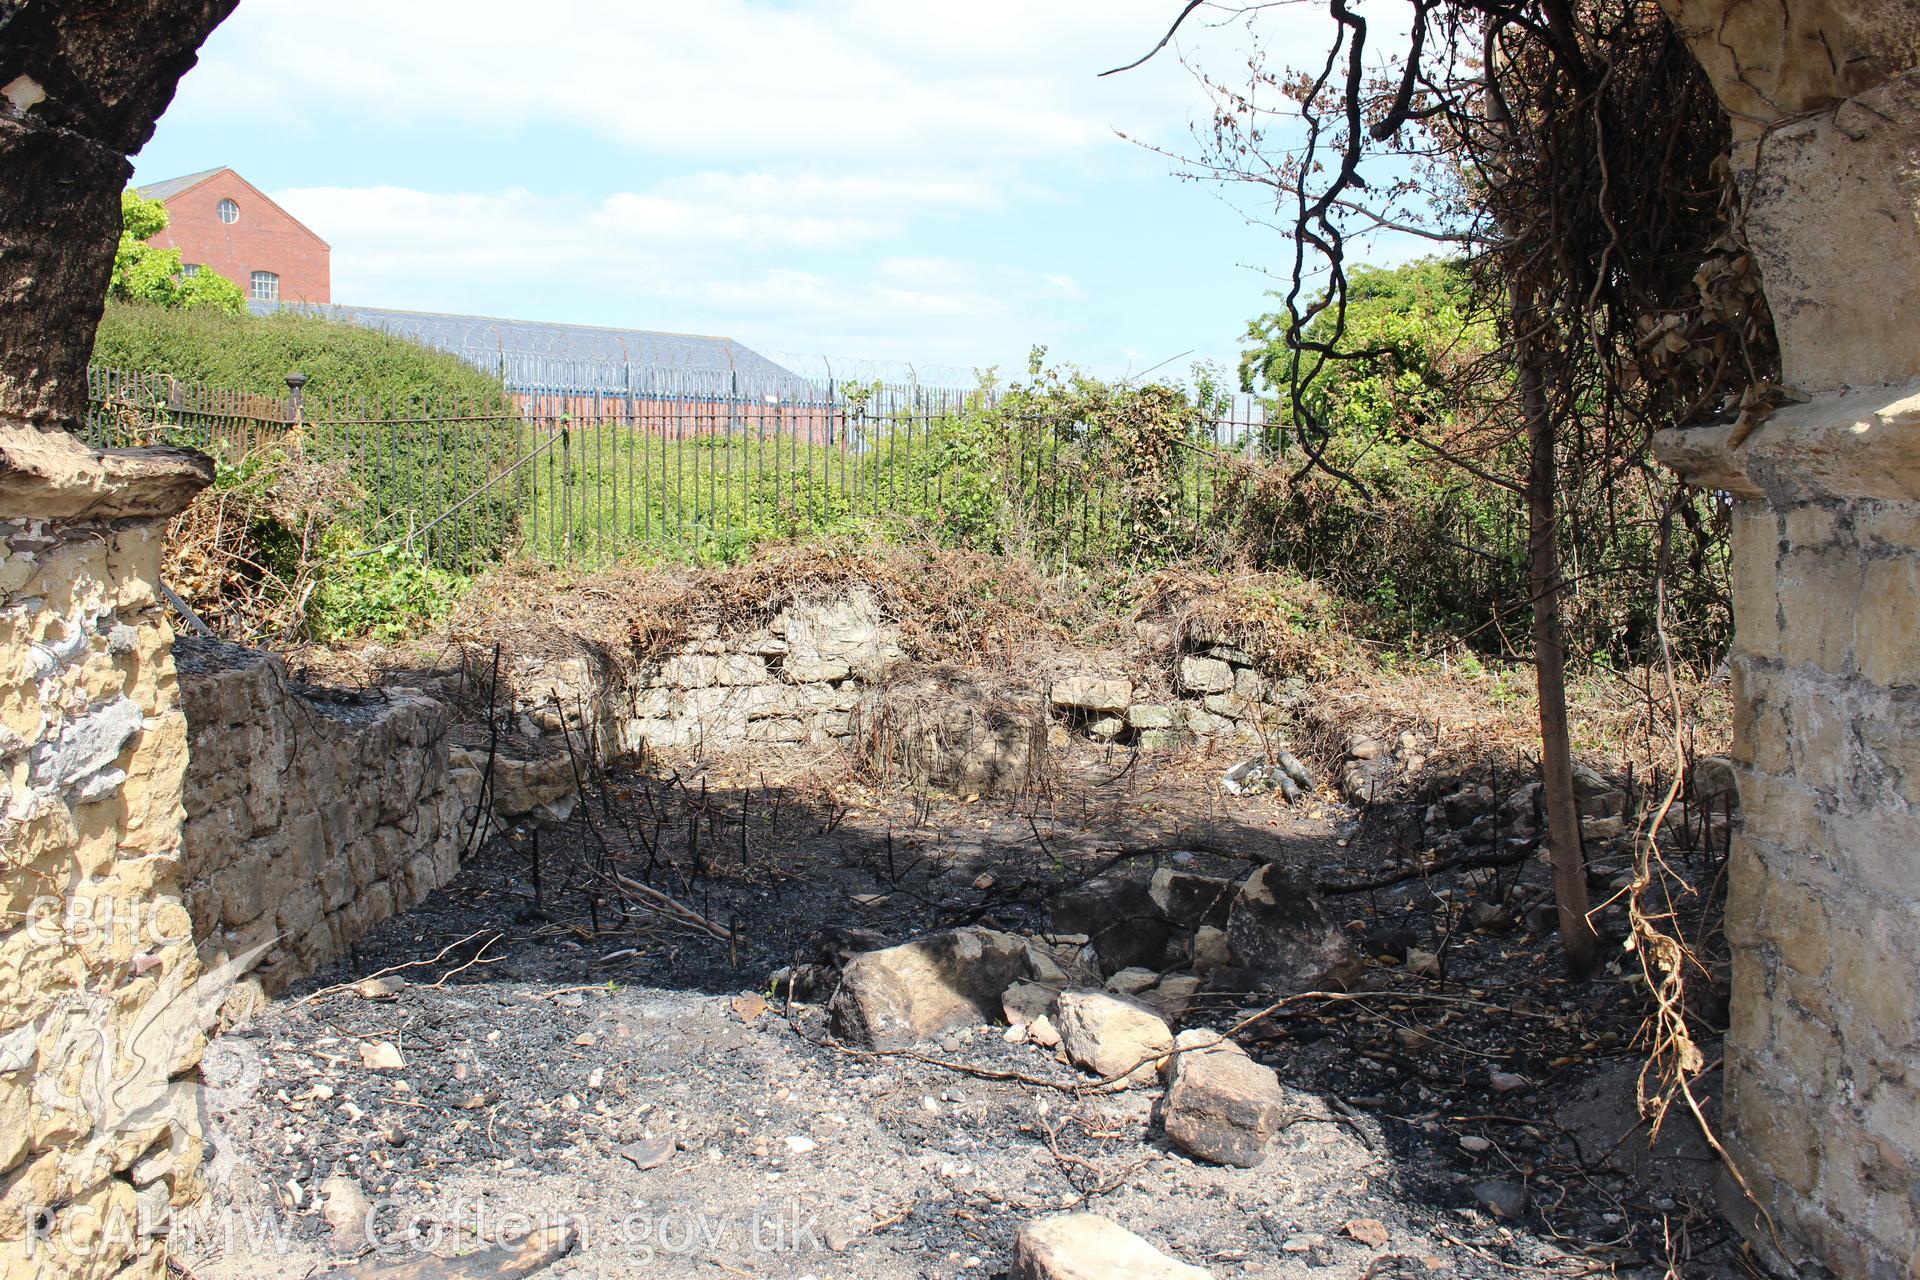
[[1429, 546], [256, 353], [386, 592]]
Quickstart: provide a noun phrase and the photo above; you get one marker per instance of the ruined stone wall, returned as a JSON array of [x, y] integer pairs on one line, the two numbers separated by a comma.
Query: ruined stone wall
[[95, 947], [832, 673], [795, 682], [311, 815]]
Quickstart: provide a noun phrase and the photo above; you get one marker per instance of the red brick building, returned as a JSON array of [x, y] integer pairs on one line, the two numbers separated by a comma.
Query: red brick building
[[220, 221]]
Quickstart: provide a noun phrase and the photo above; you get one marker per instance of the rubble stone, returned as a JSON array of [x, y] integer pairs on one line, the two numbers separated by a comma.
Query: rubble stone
[[1278, 929], [1143, 715], [1221, 1105], [1108, 1034], [1187, 900], [1026, 1002], [1205, 675], [920, 990], [1093, 693], [1211, 950], [1173, 995], [1131, 982], [1086, 1246], [1120, 919]]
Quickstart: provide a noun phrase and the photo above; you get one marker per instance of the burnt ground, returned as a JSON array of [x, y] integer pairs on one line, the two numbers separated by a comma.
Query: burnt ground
[[559, 1061]]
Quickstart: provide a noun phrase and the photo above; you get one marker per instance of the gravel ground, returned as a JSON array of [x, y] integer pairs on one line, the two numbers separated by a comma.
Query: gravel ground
[[544, 1059]]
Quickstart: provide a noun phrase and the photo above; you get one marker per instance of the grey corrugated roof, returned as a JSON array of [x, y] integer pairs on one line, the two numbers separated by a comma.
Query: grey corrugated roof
[[533, 354], [172, 187]]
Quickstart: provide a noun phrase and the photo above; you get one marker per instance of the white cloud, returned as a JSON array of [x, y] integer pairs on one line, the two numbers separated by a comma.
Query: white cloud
[[760, 211], [1066, 287], [653, 258], [821, 173], [873, 80]]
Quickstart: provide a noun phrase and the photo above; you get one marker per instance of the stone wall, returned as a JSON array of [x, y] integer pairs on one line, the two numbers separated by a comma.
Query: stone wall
[[821, 672], [1823, 914], [312, 815], [94, 948]]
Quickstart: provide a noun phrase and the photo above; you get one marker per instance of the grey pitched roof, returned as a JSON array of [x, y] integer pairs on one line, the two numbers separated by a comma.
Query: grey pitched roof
[[172, 187], [534, 355]]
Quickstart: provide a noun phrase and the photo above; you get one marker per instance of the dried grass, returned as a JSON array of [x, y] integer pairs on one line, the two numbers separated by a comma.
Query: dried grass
[[982, 613], [246, 551], [951, 606], [1287, 623]]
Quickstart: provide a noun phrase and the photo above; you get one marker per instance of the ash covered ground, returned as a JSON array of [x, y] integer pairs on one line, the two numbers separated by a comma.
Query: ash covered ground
[[539, 1052]]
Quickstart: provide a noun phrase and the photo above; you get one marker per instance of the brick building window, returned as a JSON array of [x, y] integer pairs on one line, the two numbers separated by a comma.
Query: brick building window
[[229, 211], [189, 268], [266, 286]]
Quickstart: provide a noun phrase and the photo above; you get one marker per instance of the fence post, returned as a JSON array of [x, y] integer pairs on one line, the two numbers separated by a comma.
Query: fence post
[[296, 385]]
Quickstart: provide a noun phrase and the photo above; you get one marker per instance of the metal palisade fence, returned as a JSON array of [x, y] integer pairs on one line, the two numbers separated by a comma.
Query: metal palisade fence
[[684, 466]]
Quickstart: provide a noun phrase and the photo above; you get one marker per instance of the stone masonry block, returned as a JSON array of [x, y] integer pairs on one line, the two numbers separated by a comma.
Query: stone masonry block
[[1821, 592], [1780, 811], [1876, 971], [1818, 725], [1755, 557], [1888, 622], [1805, 1049], [1779, 1131], [1887, 526], [1798, 926]]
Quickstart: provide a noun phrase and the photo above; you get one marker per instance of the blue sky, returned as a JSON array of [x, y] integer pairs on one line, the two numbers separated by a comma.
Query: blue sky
[[935, 183]]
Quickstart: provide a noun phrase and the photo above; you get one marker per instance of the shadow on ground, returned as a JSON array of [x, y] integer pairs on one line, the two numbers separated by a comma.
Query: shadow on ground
[[571, 1053]]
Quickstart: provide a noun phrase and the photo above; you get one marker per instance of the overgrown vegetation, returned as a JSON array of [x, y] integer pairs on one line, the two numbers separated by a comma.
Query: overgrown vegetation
[[1101, 482], [1063, 469], [1415, 511], [245, 352], [266, 558]]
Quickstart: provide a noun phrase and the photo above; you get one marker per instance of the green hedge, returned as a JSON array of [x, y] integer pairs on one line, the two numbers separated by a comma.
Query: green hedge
[[365, 394], [255, 353]]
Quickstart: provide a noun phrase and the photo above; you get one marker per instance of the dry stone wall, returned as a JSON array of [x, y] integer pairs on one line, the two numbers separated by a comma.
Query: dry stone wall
[[833, 673], [312, 815]]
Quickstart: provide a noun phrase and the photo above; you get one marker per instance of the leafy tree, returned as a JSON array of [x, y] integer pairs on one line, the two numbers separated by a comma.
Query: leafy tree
[[1389, 408], [143, 272], [1427, 545]]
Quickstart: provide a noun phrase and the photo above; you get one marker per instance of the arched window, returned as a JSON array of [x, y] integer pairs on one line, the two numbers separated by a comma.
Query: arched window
[[265, 287], [229, 211]]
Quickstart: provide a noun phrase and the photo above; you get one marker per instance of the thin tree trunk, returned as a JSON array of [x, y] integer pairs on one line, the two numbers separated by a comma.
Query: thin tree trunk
[[1577, 937]]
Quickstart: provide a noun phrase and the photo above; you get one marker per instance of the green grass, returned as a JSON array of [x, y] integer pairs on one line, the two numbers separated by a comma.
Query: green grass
[[612, 493]]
